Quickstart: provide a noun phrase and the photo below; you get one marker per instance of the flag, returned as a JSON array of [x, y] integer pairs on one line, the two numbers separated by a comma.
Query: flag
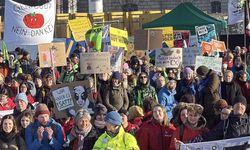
[[235, 11], [247, 23], [5, 51]]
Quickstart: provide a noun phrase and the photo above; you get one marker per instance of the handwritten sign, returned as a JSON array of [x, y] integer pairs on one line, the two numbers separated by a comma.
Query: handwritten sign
[[79, 27], [218, 46], [63, 98], [214, 63], [118, 37], [189, 54], [52, 53], [92, 63], [168, 57]]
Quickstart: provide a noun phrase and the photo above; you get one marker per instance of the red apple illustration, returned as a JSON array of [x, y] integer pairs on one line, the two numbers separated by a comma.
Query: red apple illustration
[[91, 44], [33, 20]]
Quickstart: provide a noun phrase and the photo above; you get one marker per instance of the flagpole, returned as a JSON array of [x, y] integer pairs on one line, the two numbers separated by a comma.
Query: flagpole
[[245, 23]]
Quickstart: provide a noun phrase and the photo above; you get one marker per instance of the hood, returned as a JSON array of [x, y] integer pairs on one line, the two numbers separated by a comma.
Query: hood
[[201, 123]]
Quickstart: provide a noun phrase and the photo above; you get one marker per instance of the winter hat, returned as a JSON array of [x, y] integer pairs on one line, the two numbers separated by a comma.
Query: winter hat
[[116, 75], [114, 118], [100, 109], [188, 70], [23, 97], [41, 109], [82, 113], [202, 70], [220, 104], [240, 99]]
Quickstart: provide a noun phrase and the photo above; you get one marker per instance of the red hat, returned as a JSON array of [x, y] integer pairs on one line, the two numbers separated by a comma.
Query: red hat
[[41, 109]]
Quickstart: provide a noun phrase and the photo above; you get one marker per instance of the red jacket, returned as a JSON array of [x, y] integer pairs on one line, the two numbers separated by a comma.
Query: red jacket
[[153, 136], [8, 106]]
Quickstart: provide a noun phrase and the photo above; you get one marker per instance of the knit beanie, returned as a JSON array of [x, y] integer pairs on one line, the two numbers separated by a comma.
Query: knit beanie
[[188, 70], [82, 113], [114, 118], [23, 97], [100, 109], [41, 109], [202, 70], [116, 75], [240, 99]]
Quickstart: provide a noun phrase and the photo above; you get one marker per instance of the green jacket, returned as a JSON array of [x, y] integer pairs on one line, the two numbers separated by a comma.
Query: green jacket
[[122, 141], [67, 77]]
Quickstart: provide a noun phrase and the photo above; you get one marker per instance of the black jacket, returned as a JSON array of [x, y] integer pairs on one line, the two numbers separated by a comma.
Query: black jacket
[[229, 91]]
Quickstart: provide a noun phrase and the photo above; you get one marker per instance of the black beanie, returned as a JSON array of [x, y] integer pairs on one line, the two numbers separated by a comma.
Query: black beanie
[[202, 70], [240, 99]]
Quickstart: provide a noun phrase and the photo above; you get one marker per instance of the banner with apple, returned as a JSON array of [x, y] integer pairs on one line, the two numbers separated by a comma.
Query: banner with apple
[[29, 25]]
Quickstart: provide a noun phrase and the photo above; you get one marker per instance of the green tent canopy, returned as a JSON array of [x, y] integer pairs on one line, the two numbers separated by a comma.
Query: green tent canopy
[[185, 17]]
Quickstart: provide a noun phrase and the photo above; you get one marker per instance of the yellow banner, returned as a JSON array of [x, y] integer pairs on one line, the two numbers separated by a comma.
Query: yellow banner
[[168, 36], [118, 38], [79, 27]]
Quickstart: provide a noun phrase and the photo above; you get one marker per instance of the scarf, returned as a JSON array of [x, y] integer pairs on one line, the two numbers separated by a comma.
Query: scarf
[[113, 134], [99, 124], [7, 137], [81, 135]]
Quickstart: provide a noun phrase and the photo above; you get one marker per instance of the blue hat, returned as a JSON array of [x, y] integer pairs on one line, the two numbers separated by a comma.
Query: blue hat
[[114, 118], [116, 75], [23, 97]]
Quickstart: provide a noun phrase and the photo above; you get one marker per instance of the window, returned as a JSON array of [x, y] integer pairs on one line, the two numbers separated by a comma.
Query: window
[[216, 7]]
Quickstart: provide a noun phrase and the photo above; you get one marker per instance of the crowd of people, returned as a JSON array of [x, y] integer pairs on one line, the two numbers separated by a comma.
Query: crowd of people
[[141, 107]]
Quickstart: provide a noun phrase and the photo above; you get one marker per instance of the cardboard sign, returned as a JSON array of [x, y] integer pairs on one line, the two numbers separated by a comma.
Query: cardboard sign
[[79, 27], [93, 63], [29, 25], [118, 38], [71, 97], [148, 39], [205, 33], [168, 57], [214, 63], [52, 55], [189, 55], [116, 58], [168, 36], [181, 38], [218, 46], [206, 48], [193, 41]]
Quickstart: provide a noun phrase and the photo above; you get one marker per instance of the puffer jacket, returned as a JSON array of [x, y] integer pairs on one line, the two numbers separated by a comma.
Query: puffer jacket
[[122, 141], [17, 143], [188, 133]]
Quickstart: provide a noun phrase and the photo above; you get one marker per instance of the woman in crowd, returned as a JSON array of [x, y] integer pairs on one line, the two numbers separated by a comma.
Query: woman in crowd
[[98, 119], [179, 114], [156, 135], [9, 137], [26, 119]]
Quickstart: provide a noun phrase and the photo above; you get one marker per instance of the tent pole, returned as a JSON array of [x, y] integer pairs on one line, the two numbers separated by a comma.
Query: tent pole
[[227, 30]]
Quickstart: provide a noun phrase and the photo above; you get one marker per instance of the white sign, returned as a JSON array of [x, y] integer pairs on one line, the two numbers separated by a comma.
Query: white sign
[[202, 30], [95, 6], [189, 54], [168, 57], [63, 98], [213, 63], [29, 25], [6, 112], [235, 11], [230, 144]]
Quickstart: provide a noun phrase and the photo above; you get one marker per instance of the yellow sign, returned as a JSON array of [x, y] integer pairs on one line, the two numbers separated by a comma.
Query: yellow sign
[[79, 27], [168, 36], [118, 38]]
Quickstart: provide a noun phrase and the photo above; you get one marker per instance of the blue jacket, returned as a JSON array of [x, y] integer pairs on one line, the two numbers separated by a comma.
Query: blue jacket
[[166, 98], [33, 143]]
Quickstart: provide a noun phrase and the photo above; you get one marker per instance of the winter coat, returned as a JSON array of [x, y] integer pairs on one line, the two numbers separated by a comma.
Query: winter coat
[[167, 99], [235, 126], [17, 143], [17, 114], [67, 77], [186, 87], [55, 143], [153, 136], [116, 98], [7, 106], [88, 143], [122, 141], [245, 89], [131, 128], [185, 133], [229, 91]]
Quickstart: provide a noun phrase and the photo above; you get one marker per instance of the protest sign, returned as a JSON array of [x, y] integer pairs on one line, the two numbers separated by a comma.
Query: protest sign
[[235, 11], [214, 63], [6, 112], [218, 46], [52, 55], [92, 63], [189, 54], [168, 37], [116, 58], [148, 39], [94, 39], [193, 41], [118, 38], [181, 38], [71, 97], [205, 33], [168, 57], [228, 144], [79, 27], [29, 25], [105, 38], [206, 48]]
